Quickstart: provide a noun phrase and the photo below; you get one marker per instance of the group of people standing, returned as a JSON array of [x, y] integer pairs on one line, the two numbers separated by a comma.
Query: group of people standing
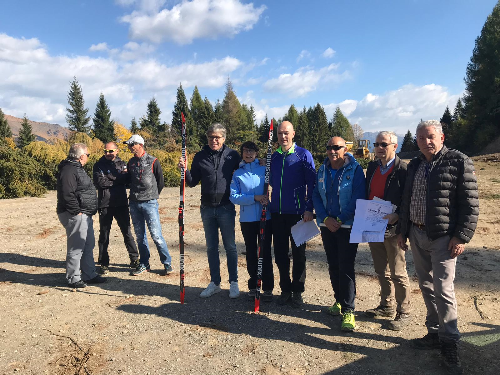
[[435, 197]]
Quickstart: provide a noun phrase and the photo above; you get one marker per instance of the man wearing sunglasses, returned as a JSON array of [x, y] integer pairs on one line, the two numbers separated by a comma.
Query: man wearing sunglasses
[[386, 180], [340, 183], [110, 177], [439, 214]]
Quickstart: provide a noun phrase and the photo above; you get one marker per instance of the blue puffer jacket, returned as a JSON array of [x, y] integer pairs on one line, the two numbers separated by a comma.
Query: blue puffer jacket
[[248, 181], [336, 197]]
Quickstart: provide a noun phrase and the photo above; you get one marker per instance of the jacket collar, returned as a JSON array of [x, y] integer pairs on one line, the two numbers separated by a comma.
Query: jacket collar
[[291, 150]]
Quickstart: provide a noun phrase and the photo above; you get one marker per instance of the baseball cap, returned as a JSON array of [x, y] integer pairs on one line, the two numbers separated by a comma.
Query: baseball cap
[[136, 138]]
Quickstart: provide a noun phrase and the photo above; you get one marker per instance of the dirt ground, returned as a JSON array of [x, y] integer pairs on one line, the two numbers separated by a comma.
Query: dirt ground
[[136, 325]]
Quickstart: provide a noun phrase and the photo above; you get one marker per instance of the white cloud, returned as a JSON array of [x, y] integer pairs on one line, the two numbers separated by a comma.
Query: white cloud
[[303, 54], [329, 53], [306, 80], [16, 51], [191, 20], [99, 47]]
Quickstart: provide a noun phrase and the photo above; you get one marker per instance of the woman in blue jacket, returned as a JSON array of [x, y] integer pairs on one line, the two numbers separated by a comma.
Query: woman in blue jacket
[[247, 190]]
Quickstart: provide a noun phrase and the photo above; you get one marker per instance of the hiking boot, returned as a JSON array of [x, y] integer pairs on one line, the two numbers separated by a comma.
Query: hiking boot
[[134, 263], [335, 310], [449, 353], [168, 269], [77, 284], [251, 294], [96, 280], [284, 298], [348, 321], [429, 341], [210, 290], [104, 270], [267, 296], [141, 268], [234, 291], [297, 300], [400, 321], [380, 312]]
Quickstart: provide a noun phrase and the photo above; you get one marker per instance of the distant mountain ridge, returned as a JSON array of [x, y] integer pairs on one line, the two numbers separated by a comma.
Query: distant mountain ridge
[[42, 130]]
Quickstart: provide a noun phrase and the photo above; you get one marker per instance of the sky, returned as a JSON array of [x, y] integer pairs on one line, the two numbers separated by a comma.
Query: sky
[[385, 63]]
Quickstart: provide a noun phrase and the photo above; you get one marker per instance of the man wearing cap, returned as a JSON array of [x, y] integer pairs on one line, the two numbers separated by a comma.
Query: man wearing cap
[[146, 183], [110, 176]]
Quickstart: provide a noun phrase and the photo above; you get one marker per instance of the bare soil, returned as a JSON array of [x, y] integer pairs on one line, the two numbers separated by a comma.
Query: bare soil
[[136, 325]]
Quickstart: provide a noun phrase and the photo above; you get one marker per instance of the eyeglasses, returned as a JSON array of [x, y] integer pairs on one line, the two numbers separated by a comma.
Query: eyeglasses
[[382, 144], [213, 138], [334, 147], [248, 150], [109, 151]]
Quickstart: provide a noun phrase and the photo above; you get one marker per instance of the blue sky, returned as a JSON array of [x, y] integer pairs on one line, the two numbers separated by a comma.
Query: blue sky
[[387, 64]]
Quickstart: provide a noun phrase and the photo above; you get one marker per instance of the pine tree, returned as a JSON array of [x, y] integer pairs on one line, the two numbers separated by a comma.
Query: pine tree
[[208, 120], [197, 109], [408, 144], [264, 130], [231, 113], [103, 125], [151, 123], [76, 116], [341, 126], [26, 135], [133, 126], [459, 111], [5, 131], [447, 124], [181, 106], [218, 113], [302, 133], [318, 129]]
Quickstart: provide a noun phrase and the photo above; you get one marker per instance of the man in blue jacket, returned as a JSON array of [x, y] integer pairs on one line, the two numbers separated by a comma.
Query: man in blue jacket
[[293, 176], [340, 182]]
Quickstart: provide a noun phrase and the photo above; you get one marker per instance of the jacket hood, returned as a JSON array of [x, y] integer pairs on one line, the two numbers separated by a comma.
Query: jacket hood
[[66, 162], [254, 164]]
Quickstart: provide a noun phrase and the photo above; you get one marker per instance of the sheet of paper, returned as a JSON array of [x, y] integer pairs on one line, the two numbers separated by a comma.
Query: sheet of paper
[[304, 231], [369, 225]]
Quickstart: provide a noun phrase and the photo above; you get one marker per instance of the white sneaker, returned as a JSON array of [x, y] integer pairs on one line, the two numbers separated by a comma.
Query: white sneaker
[[210, 290], [234, 291]]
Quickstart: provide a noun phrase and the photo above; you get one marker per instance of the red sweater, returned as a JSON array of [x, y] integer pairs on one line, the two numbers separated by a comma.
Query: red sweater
[[377, 184]]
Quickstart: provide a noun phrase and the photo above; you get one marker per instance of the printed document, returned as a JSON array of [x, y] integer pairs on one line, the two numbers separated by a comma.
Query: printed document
[[369, 225]]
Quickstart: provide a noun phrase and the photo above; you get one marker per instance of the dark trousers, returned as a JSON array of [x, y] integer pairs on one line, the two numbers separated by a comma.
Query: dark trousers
[[250, 231], [282, 224], [341, 256], [121, 214]]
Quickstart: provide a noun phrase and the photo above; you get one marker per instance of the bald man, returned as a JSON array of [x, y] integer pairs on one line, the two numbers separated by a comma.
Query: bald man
[[340, 183], [293, 176]]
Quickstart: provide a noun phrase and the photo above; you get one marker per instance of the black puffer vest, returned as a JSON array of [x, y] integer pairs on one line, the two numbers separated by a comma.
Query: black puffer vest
[[143, 186]]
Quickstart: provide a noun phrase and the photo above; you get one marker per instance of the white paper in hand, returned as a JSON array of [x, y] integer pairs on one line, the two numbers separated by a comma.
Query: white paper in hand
[[304, 231]]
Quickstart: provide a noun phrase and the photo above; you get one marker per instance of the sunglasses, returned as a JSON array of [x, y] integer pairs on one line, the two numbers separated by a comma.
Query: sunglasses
[[109, 151], [334, 147], [382, 144], [214, 138]]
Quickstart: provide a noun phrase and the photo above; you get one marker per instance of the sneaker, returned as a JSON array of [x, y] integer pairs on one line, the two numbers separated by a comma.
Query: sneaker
[[210, 290], [348, 321], [234, 291], [96, 280], [134, 263], [284, 298], [429, 341], [77, 284], [251, 294], [400, 321], [267, 296], [335, 310], [297, 300], [141, 268], [104, 270], [380, 312], [168, 269], [449, 353]]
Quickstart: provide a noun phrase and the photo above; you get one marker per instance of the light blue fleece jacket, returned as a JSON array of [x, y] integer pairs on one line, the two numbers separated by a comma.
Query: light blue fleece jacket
[[248, 181]]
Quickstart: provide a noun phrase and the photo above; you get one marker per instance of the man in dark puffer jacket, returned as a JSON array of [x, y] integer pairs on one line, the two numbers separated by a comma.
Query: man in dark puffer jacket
[[439, 214], [76, 204]]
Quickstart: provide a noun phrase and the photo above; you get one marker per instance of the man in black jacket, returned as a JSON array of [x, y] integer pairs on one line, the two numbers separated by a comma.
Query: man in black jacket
[[110, 177], [214, 166], [386, 180], [76, 204], [439, 215]]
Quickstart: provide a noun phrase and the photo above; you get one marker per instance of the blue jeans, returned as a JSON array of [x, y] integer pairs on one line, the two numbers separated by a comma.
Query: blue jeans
[[143, 213], [214, 218]]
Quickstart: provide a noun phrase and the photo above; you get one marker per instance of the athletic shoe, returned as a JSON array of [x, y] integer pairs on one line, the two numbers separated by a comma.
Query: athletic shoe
[[134, 263], [400, 321], [297, 300], [348, 321], [429, 341], [267, 296], [168, 269], [380, 312], [210, 290], [335, 310], [284, 298], [141, 268], [449, 353], [234, 291], [104, 270], [251, 294], [77, 284], [96, 280]]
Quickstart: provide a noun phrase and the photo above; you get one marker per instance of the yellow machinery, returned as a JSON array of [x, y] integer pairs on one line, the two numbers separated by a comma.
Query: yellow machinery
[[349, 145], [363, 152]]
